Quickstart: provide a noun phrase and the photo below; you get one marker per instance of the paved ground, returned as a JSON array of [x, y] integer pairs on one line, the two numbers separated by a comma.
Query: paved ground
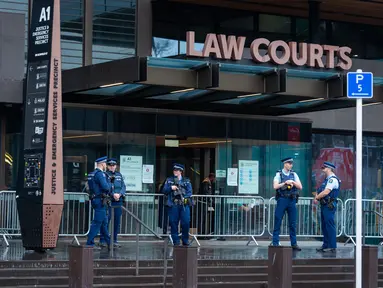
[[149, 250]]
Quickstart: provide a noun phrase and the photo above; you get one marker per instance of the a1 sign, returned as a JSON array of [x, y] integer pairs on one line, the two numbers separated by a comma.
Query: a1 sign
[[360, 85]]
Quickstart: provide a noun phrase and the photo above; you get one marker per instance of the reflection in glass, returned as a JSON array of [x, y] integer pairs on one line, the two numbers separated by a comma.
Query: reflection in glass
[[164, 47]]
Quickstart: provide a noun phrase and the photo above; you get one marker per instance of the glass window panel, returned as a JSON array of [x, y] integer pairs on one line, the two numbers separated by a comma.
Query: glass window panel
[[141, 146], [19, 7], [163, 47], [274, 24], [338, 149], [191, 126], [113, 29], [249, 129], [302, 30], [372, 167], [348, 34], [80, 152], [71, 14], [240, 23], [12, 155]]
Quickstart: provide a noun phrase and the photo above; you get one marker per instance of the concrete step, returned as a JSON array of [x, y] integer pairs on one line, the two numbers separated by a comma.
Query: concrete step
[[32, 282], [152, 279], [154, 271], [129, 271], [323, 269], [324, 284], [306, 284], [324, 261], [34, 272], [33, 264], [112, 280], [204, 285], [328, 276], [38, 286]]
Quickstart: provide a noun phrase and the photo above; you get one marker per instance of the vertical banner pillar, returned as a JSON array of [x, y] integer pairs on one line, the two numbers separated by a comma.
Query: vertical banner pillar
[[185, 267], [40, 193], [80, 267], [280, 265], [370, 267]]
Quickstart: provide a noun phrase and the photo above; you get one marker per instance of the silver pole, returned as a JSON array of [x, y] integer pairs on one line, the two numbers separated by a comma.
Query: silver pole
[[359, 216]]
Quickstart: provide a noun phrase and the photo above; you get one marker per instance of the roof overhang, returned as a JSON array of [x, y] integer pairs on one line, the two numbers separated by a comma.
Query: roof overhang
[[205, 85]]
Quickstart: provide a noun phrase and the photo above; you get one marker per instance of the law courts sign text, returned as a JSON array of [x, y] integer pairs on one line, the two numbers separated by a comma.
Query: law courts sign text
[[299, 54]]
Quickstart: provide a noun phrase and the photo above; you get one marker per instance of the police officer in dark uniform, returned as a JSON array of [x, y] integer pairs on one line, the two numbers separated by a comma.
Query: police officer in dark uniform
[[287, 186], [99, 194], [118, 193], [178, 191], [327, 194]]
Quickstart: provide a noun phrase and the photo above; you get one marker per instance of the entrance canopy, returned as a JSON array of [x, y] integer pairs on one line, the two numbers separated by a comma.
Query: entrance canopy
[[201, 85]]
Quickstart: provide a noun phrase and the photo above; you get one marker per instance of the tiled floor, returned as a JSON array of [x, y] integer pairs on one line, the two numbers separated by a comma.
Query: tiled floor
[[228, 250]]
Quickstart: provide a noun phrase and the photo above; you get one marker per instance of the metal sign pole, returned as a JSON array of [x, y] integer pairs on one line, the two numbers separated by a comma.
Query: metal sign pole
[[360, 85], [358, 222]]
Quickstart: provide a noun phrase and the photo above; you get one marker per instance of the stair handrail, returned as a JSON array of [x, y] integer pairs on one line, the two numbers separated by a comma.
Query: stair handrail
[[139, 223]]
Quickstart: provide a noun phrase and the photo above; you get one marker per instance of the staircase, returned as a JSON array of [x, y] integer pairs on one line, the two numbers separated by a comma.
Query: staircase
[[314, 273]]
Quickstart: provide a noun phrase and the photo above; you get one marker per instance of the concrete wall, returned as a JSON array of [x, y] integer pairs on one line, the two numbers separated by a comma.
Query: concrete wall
[[344, 119], [12, 57]]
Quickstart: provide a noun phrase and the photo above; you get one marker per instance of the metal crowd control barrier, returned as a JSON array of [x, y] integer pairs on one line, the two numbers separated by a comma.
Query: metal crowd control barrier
[[149, 208], [228, 216], [308, 218], [372, 222], [9, 219], [75, 221], [76, 216], [211, 216]]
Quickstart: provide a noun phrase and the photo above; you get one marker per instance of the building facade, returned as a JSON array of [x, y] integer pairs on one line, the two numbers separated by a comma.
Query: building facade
[[251, 113]]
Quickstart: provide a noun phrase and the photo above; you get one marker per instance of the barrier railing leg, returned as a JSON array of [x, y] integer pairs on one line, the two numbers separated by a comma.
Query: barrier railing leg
[[170, 239], [75, 240], [80, 266], [5, 240], [280, 267], [185, 267], [195, 239], [348, 240], [370, 266], [252, 239]]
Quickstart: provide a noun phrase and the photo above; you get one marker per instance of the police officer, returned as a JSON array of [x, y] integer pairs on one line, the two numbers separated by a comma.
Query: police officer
[[178, 191], [327, 194], [99, 193], [118, 193], [287, 186]]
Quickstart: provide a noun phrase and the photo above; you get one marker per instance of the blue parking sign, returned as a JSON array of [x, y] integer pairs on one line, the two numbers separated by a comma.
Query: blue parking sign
[[360, 85]]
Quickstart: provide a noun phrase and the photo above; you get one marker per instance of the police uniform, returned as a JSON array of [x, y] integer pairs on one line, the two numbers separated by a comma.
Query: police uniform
[[178, 203], [98, 188], [286, 197], [328, 208], [116, 180]]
